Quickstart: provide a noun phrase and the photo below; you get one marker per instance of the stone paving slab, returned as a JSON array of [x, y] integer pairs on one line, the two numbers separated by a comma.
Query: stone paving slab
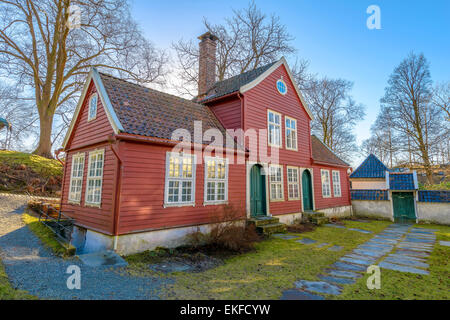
[[415, 246], [357, 256], [360, 230], [322, 245], [103, 258], [335, 248], [334, 226], [348, 266], [395, 267], [370, 253], [345, 274], [318, 287], [410, 248], [375, 247], [389, 236], [337, 280], [445, 243], [300, 295], [383, 240], [306, 241], [407, 262], [396, 255], [285, 236], [419, 240], [362, 262], [412, 253]]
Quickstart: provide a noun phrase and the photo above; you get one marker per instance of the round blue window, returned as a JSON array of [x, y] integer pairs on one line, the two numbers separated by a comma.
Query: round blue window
[[281, 86]]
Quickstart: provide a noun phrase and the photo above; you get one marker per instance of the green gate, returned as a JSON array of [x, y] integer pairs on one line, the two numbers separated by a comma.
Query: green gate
[[404, 207], [257, 192], [307, 191]]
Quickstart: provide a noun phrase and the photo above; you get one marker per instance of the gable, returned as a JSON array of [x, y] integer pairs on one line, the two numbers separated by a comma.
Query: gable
[[372, 167], [105, 112], [288, 79]]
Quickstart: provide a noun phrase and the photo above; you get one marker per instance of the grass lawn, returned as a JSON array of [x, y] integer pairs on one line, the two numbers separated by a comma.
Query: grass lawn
[[266, 273], [43, 166], [406, 286], [45, 235]]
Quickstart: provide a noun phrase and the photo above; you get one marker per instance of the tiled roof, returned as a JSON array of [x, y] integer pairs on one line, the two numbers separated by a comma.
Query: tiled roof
[[233, 84], [322, 153], [372, 167], [401, 181], [147, 112]]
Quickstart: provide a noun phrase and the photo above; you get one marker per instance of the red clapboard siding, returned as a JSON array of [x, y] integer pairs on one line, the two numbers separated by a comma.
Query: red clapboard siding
[[228, 112], [142, 191], [323, 203], [100, 219]]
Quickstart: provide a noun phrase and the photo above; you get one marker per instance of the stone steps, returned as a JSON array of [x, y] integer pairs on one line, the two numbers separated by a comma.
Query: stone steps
[[317, 218], [268, 225]]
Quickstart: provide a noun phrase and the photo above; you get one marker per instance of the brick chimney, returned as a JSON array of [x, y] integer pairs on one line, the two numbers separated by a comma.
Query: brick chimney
[[207, 63]]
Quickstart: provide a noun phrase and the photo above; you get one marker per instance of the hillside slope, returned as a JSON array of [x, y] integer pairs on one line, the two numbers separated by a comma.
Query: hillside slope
[[28, 173]]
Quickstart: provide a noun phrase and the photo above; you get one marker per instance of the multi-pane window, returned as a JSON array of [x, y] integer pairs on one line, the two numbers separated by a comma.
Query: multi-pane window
[[326, 189], [291, 133], [276, 182], [76, 178], [92, 107], [95, 178], [274, 126], [293, 183], [216, 180], [180, 178], [337, 184]]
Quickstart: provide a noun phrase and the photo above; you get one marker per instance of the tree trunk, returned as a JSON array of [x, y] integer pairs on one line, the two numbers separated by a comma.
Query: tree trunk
[[44, 147]]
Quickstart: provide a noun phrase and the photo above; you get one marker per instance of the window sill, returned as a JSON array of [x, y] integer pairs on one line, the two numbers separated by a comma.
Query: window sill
[[294, 199], [75, 203], [291, 149], [214, 203], [277, 200], [93, 205], [176, 205]]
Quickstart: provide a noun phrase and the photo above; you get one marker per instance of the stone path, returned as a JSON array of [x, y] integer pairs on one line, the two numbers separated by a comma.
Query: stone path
[[399, 247]]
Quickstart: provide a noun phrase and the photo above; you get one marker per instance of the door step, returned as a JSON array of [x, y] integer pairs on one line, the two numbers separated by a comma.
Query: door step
[[267, 225], [317, 218]]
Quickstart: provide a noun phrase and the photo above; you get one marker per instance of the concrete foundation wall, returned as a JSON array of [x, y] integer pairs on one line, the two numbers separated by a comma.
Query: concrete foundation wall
[[290, 218], [338, 212], [434, 212], [372, 209]]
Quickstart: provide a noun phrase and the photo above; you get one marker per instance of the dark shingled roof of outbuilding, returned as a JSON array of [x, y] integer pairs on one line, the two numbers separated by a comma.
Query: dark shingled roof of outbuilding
[[148, 112], [235, 83], [372, 167]]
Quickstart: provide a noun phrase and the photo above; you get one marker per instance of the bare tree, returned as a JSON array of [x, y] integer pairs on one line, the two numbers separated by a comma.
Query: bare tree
[[441, 98], [335, 114], [23, 118], [408, 98], [246, 41], [40, 50]]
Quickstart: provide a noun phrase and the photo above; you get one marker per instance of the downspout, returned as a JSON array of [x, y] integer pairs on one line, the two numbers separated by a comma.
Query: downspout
[[116, 204]]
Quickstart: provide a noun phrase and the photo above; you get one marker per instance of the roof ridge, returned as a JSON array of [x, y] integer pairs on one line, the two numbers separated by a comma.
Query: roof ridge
[[147, 88], [246, 72]]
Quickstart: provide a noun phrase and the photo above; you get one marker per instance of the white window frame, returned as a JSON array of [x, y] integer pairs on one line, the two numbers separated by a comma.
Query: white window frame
[[325, 184], [94, 178], [279, 126], [81, 158], [180, 179], [216, 181], [286, 129], [337, 184], [90, 118], [293, 183], [276, 198]]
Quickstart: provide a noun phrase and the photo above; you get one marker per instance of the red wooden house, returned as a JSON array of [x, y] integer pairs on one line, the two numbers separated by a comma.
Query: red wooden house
[[128, 189]]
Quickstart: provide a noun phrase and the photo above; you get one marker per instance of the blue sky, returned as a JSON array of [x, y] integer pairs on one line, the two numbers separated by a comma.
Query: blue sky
[[332, 35]]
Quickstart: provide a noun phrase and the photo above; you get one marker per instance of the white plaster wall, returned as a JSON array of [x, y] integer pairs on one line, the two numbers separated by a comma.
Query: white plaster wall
[[338, 212], [434, 212], [289, 218], [372, 209], [369, 185], [96, 242]]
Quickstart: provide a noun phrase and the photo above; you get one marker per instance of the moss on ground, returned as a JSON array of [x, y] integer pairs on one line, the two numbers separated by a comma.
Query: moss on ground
[[43, 166], [45, 235]]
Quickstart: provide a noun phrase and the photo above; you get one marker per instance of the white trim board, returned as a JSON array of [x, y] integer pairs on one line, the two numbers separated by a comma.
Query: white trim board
[[263, 76], [107, 106]]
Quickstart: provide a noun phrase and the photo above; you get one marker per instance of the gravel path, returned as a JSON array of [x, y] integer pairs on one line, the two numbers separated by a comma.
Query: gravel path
[[31, 267]]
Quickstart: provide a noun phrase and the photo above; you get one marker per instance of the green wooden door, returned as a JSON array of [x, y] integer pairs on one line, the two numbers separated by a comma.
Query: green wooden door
[[257, 192], [404, 209], [307, 191]]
